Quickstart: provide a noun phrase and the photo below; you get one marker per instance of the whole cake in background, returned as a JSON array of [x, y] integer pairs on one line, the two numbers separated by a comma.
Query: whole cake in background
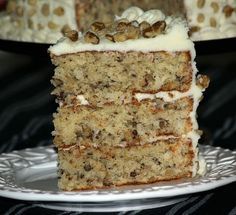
[[128, 92], [46, 21]]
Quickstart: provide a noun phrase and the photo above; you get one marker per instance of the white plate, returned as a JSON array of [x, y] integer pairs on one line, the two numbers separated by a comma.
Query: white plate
[[30, 174]]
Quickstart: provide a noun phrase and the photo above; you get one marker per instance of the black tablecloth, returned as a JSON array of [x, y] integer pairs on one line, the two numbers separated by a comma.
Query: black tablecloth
[[26, 108]]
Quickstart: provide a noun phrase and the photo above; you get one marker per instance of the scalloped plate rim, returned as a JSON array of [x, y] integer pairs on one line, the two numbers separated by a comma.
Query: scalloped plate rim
[[167, 190]]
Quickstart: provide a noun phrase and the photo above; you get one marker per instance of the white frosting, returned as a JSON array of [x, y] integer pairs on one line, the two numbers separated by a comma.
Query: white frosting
[[82, 100], [175, 39], [131, 14], [137, 14]]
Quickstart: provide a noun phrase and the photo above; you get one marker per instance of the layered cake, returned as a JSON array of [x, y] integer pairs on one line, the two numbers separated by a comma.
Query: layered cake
[[127, 95], [46, 21]]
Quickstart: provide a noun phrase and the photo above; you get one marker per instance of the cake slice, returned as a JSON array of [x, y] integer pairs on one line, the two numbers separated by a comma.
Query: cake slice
[[127, 96]]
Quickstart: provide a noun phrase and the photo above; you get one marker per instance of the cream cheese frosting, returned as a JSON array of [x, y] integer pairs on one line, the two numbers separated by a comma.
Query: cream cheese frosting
[[175, 38], [137, 14]]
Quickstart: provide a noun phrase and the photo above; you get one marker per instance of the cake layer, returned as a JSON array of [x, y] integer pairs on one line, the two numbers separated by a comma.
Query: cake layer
[[105, 166], [121, 125], [112, 76]]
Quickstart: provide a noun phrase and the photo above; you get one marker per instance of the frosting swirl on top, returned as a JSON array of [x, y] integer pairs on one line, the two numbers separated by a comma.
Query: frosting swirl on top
[[137, 14]]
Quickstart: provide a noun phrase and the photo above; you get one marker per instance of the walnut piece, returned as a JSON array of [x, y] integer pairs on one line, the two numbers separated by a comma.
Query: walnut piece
[[132, 32], [72, 35], [121, 26], [154, 30], [120, 37], [203, 81], [97, 26], [144, 25], [110, 37], [90, 37]]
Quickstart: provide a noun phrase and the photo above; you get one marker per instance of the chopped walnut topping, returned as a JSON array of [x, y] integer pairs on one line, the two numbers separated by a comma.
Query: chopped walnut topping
[[123, 30], [72, 35], [110, 37], [227, 10], [203, 81], [121, 26], [144, 25], [120, 37], [156, 29], [97, 26], [132, 32], [90, 37]]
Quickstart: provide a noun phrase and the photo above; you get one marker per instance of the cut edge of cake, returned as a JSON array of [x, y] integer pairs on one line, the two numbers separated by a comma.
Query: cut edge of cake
[[160, 34]]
